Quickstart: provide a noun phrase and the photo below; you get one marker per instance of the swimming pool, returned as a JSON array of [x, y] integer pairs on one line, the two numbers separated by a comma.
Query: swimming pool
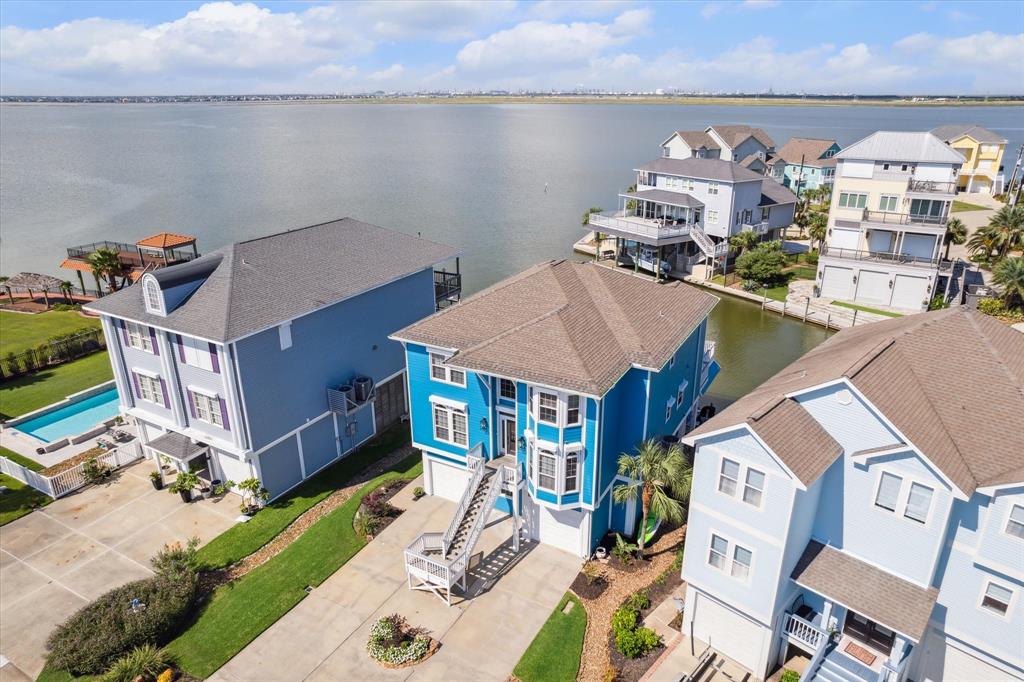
[[72, 419]]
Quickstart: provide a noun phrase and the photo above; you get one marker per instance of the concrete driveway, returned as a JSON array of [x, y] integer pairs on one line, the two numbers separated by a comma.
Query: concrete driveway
[[58, 558], [482, 636]]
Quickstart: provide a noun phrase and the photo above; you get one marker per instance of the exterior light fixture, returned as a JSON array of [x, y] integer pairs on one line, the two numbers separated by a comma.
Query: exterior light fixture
[[855, 279], [483, 424], [521, 443], [890, 284]]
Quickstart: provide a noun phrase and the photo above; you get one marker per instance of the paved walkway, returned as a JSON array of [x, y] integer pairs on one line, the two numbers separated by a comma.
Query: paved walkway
[[58, 558], [482, 637]]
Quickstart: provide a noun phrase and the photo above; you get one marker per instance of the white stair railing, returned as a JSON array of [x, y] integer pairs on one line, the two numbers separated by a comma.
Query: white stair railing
[[475, 464], [460, 562], [703, 241]]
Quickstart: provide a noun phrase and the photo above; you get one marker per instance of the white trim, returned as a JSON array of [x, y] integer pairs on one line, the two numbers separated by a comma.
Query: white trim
[[142, 372], [203, 391], [895, 449], [448, 402], [985, 584], [907, 481], [647, 404], [243, 415], [737, 524], [730, 557], [284, 437], [446, 368], [993, 490], [148, 280], [302, 460]]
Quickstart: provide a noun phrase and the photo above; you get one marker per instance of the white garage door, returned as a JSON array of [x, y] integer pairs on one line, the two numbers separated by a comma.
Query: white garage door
[[730, 633], [836, 282], [449, 481], [872, 287], [946, 663], [561, 529], [909, 292], [844, 239]]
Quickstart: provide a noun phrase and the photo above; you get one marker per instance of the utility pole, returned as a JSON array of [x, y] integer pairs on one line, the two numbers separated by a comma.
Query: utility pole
[[1014, 196]]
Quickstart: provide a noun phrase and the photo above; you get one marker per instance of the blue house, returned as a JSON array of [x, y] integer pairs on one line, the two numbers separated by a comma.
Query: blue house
[[805, 163], [524, 395], [270, 358], [864, 508]]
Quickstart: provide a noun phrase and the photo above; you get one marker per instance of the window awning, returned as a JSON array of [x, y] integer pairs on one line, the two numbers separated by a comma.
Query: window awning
[[177, 447], [891, 601]]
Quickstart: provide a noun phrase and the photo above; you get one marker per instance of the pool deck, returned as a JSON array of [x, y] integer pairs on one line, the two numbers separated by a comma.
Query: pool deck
[[26, 445]]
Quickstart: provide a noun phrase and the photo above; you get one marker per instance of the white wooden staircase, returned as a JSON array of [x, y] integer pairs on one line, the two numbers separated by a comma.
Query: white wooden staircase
[[708, 247]]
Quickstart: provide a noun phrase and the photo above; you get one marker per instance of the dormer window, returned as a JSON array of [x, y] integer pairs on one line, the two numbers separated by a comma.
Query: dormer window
[[665, 152], [154, 297]]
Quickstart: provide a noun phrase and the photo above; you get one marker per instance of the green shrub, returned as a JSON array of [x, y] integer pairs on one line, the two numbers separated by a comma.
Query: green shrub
[[175, 562], [763, 264], [812, 258], [636, 643], [623, 549], [789, 676], [638, 601], [623, 620], [992, 306], [938, 302], [95, 471], [146, 661], [101, 632], [393, 641], [750, 286]]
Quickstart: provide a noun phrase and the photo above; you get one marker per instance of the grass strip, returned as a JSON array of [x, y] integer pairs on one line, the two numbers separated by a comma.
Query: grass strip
[[22, 332], [243, 539], [28, 393], [554, 654], [19, 499], [24, 461], [961, 206], [238, 612], [865, 309]]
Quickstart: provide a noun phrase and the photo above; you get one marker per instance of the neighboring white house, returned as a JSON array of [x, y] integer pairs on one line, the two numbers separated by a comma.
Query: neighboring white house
[[890, 204], [865, 507], [750, 147]]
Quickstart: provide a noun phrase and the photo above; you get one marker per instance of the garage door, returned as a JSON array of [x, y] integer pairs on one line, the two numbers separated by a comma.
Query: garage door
[[844, 239], [909, 292], [561, 529], [737, 637], [946, 663], [872, 287], [836, 282], [449, 481]]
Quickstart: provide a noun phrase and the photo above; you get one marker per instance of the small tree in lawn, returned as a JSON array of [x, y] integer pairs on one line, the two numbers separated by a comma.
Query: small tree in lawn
[[253, 494], [763, 264], [743, 240], [660, 477]]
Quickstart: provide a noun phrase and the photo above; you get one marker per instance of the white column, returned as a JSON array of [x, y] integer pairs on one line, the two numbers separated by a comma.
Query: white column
[[826, 614]]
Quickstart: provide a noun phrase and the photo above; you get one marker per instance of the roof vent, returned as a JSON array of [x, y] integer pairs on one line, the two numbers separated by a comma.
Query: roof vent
[[844, 397]]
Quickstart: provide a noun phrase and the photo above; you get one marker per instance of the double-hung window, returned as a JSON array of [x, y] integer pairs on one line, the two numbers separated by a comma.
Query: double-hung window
[[207, 409], [668, 409], [719, 554], [450, 425], [139, 337], [547, 466], [547, 408], [507, 389], [887, 203], [728, 477], [919, 501], [1015, 524], [572, 410], [753, 487], [439, 371], [712, 217], [150, 388], [851, 200], [996, 599], [741, 558], [888, 491], [572, 478], [712, 188], [681, 392]]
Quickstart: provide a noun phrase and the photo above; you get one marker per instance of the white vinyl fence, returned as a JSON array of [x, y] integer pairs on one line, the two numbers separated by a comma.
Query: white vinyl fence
[[71, 479]]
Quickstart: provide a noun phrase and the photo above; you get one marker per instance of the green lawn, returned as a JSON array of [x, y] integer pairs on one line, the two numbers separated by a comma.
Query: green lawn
[[240, 611], [19, 499], [27, 393], [243, 539], [959, 206], [854, 306], [554, 654], [19, 332], [21, 459]]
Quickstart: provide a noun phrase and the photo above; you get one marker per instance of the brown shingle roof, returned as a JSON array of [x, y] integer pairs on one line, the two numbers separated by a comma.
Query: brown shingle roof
[[951, 381], [696, 139], [165, 240], [810, 150], [881, 596], [570, 325], [734, 135]]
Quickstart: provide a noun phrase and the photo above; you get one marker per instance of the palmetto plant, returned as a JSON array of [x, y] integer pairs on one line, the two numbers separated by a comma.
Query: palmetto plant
[[660, 477], [1006, 227], [65, 289], [817, 230], [743, 240], [106, 263], [981, 245], [1008, 275], [956, 233]]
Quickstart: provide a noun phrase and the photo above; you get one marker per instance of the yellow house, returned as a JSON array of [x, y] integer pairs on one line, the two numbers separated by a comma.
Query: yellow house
[[983, 150]]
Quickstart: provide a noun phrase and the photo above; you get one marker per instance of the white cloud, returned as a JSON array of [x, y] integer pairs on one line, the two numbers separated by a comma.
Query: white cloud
[[550, 10], [432, 19], [389, 74], [711, 9], [761, 4]]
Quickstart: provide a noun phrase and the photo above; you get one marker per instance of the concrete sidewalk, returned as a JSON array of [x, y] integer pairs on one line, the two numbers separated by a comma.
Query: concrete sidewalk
[[482, 637]]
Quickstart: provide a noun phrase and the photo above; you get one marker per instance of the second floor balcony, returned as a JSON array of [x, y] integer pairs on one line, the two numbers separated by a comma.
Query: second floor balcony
[[916, 186], [892, 218], [654, 216], [885, 257]]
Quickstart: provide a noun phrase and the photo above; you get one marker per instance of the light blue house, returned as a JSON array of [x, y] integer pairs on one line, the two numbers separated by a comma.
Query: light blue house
[[805, 163], [545, 379], [270, 358], [865, 508]]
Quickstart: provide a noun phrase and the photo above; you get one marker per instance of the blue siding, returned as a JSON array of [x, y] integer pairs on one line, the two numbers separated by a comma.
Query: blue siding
[[622, 420], [329, 347], [318, 445], [279, 466], [665, 385]]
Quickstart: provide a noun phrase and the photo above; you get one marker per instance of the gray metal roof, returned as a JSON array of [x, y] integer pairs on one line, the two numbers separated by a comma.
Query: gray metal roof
[[704, 169], [887, 145], [664, 196], [772, 193], [949, 133], [257, 284]]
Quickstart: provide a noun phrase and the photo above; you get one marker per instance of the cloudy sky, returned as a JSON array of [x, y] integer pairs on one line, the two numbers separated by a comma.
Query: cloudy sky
[[79, 47]]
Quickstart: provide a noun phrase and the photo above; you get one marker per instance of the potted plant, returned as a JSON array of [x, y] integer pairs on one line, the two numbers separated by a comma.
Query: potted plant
[[418, 492], [165, 462], [219, 488], [254, 495], [157, 479], [184, 484]]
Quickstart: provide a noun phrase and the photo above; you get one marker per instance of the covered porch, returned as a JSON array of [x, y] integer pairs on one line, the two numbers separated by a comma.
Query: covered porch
[[854, 619], [183, 453]]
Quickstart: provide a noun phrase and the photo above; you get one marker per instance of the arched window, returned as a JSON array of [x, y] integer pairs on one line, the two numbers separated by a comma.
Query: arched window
[[154, 297]]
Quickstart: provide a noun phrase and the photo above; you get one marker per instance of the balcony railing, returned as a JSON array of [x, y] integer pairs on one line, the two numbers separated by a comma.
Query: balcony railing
[[640, 227], [931, 186], [884, 257], [804, 632], [887, 218], [447, 287], [130, 255], [757, 228]]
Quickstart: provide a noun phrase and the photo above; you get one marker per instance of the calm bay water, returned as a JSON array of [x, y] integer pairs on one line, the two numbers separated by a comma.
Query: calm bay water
[[506, 183]]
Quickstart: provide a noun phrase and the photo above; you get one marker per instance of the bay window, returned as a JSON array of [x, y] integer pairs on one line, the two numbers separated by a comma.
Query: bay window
[[547, 408], [572, 410], [547, 466]]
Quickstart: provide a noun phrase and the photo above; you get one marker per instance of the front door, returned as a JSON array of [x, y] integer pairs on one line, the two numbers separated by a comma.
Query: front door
[[508, 434], [869, 632]]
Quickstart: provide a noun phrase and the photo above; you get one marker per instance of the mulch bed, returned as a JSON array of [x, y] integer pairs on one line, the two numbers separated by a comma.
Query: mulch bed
[[73, 462], [387, 491], [583, 587], [632, 669]]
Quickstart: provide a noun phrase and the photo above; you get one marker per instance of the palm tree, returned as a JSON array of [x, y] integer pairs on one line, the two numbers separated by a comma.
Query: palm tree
[[1007, 225], [818, 229], [3, 283], [956, 233], [981, 244], [660, 477], [743, 240], [65, 288], [802, 218], [106, 263], [1008, 275]]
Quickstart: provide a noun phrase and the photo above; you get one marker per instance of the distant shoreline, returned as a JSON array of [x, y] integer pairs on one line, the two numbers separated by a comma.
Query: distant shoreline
[[587, 100]]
